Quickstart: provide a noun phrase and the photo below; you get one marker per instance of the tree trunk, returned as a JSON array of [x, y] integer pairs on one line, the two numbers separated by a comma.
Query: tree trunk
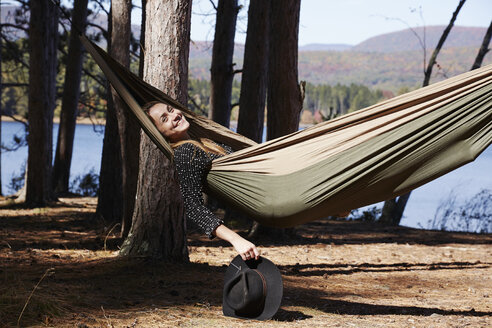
[[254, 76], [222, 70], [158, 227], [483, 49], [1, 89], [43, 36], [110, 196], [393, 209], [70, 100], [142, 41], [440, 43], [284, 95], [284, 99], [128, 128]]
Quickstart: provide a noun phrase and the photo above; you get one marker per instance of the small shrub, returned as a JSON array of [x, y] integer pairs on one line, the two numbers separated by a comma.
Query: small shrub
[[473, 215], [17, 180], [86, 184], [371, 214]]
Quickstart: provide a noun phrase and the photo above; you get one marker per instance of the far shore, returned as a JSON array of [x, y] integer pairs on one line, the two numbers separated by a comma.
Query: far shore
[[100, 121], [80, 120]]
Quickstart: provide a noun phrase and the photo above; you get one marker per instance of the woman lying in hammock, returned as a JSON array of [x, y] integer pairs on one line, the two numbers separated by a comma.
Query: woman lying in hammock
[[193, 160]]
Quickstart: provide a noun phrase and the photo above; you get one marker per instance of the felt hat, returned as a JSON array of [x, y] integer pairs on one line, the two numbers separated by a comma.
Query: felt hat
[[252, 289]]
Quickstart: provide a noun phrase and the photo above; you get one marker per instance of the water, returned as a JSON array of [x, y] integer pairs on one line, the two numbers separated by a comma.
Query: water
[[87, 150], [465, 182]]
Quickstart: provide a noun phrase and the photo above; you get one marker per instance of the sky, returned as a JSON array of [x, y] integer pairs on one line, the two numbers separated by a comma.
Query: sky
[[349, 21]]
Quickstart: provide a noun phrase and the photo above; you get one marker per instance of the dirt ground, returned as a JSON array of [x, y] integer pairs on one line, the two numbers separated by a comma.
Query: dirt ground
[[59, 268]]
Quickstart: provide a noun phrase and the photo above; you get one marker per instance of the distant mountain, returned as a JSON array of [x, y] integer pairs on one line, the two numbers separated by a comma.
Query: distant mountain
[[325, 47], [387, 71], [389, 61], [406, 40]]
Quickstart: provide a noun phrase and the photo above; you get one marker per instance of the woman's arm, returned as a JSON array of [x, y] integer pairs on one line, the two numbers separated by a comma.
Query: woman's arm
[[245, 248], [192, 163]]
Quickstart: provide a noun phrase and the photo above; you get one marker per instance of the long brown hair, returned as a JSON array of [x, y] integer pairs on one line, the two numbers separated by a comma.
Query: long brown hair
[[205, 144]]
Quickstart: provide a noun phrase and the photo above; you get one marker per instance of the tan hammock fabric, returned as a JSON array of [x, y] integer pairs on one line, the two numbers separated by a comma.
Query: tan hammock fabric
[[135, 93], [361, 158]]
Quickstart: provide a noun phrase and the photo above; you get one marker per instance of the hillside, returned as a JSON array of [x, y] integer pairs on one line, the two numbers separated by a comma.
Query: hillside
[[406, 40], [388, 71], [390, 61]]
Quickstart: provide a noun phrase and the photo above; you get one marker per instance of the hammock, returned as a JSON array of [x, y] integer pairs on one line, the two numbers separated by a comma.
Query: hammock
[[361, 158]]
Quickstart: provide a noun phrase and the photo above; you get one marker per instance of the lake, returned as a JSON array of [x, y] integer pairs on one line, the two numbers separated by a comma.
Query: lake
[[464, 182]]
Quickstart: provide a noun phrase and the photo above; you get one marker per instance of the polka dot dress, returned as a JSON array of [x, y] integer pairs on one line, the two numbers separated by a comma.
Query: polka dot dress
[[192, 165]]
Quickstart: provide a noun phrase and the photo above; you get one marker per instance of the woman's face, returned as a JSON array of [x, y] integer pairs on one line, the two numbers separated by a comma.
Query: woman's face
[[170, 122]]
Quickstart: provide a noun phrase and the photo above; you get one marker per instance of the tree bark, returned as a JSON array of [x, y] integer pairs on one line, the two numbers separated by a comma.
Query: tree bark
[[483, 49], [283, 95], [284, 98], [70, 100], [1, 89], [158, 227], [128, 128], [43, 36], [142, 41], [110, 196], [440, 43], [222, 70], [254, 76], [393, 208]]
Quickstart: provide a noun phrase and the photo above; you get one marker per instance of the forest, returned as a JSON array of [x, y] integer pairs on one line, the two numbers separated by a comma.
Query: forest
[[340, 99], [127, 254]]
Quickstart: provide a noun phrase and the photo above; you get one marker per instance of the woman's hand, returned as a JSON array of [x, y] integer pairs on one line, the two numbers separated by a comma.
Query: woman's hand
[[245, 248]]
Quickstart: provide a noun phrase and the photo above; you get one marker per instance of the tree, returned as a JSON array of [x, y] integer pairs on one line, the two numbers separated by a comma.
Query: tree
[[110, 196], [254, 76], [128, 128], [284, 97], [393, 209], [1, 89], [284, 94], [43, 36], [484, 48], [440, 43], [222, 70], [70, 101], [142, 41], [158, 226]]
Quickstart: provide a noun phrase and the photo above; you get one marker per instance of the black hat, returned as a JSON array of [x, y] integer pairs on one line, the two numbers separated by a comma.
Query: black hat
[[252, 289]]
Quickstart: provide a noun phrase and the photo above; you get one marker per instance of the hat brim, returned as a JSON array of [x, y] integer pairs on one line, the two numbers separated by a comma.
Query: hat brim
[[274, 286]]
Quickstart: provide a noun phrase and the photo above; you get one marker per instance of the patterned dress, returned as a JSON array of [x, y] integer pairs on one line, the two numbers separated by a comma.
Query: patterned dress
[[192, 165]]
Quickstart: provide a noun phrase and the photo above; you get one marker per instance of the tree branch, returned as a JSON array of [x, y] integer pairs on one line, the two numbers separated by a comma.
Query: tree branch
[[196, 105], [25, 29], [12, 48], [101, 6], [13, 85], [213, 4], [443, 38], [103, 30], [484, 48]]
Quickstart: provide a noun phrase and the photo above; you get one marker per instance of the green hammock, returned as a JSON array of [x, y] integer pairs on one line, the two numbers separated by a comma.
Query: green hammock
[[361, 158]]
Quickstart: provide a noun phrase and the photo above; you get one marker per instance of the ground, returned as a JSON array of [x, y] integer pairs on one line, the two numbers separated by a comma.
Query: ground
[[59, 268]]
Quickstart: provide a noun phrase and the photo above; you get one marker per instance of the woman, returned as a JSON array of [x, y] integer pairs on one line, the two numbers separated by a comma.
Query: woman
[[193, 159]]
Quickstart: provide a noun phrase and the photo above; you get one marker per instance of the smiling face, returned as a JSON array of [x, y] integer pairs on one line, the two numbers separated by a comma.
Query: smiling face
[[170, 122]]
